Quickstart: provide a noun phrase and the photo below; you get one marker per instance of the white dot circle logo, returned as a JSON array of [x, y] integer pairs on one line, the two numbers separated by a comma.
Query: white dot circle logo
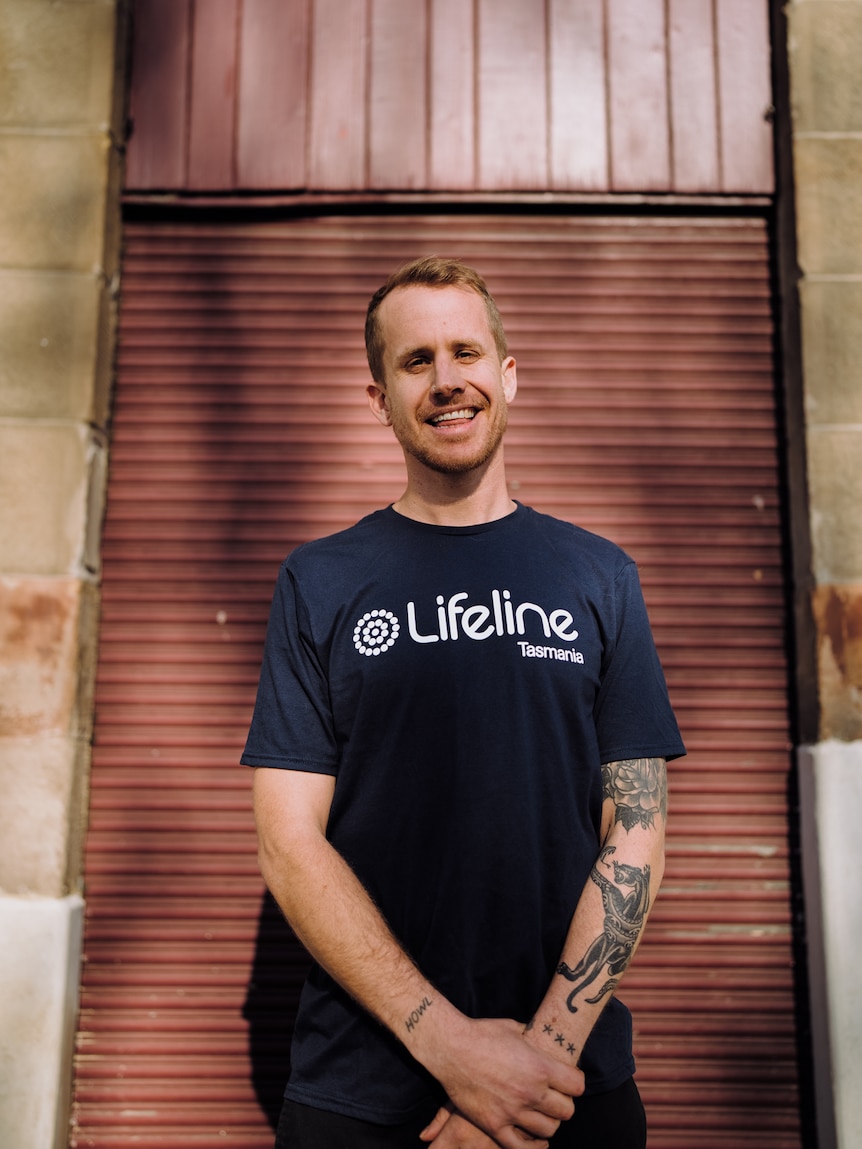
[[375, 632]]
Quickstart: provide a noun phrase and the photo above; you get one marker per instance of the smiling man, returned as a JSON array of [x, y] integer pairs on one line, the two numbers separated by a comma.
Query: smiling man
[[443, 383], [460, 740]]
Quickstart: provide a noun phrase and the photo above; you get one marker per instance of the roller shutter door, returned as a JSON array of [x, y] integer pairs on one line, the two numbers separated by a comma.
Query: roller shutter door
[[646, 413]]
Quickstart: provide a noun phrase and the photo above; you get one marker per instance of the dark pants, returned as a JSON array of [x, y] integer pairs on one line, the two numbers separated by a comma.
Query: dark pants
[[613, 1120]]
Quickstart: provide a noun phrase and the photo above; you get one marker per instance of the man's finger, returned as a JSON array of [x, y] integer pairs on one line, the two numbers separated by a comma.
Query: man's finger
[[536, 1125], [567, 1079], [522, 1139], [557, 1104], [436, 1124]]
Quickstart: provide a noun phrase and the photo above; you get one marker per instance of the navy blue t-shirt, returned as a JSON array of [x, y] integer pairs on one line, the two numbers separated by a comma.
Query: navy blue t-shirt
[[464, 685]]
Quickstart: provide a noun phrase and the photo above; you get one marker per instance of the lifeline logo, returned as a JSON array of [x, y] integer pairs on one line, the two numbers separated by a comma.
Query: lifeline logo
[[375, 632], [378, 630]]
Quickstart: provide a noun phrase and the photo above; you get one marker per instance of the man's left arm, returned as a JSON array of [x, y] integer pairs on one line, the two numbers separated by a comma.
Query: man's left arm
[[613, 909], [606, 926]]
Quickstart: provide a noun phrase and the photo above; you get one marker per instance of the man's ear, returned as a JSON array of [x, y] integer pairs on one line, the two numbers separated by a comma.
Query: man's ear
[[378, 403], [510, 378]]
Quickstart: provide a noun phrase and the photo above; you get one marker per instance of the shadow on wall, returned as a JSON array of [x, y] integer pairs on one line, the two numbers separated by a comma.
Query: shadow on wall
[[278, 971]]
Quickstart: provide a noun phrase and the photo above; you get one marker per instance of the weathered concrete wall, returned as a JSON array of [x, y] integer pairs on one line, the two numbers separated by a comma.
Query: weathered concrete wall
[[60, 115], [36, 1028], [825, 42], [824, 49], [830, 785]]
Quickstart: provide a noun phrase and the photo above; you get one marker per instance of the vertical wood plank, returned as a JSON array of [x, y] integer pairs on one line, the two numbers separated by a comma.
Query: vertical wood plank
[[578, 111], [745, 95], [452, 120], [694, 115], [273, 79], [397, 106], [513, 105], [158, 99], [339, 41], [213, 96], [639, 127]]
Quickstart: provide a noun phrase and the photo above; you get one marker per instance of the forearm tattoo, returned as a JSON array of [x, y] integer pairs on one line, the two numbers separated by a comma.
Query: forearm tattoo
[[625, 913], [559, 1039], [416, 1014], [555, 1036], [638, 789]]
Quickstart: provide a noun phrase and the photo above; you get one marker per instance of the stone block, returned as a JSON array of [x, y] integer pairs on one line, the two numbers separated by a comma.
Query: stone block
[[44, 483], [41, 781], [830, 792], [54, 195], [825, 43], [50, 332], [832, 350], [838, 618], [56, 62], [829, 205], [835, 486], [40, 960]]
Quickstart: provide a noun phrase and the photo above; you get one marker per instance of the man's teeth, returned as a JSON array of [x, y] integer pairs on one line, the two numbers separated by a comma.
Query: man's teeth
[[466, 413]]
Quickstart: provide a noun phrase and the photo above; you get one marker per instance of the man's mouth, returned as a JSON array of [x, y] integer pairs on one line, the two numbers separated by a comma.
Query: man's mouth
[[452, 416]]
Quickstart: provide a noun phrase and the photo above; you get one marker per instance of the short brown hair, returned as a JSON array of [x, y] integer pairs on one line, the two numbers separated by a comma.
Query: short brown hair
[[430, 271]]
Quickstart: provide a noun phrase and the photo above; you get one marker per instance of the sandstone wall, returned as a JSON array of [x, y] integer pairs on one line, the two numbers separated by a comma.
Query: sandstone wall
[[60, 119]]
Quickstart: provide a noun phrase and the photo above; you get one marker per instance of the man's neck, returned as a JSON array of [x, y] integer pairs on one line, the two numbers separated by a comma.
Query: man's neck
[[456, 500]]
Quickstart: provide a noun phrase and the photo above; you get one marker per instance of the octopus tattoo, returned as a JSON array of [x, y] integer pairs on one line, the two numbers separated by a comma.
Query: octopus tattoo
[[625, 913]]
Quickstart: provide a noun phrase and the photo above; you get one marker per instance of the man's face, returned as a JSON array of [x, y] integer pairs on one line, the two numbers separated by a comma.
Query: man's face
[[445, 394]]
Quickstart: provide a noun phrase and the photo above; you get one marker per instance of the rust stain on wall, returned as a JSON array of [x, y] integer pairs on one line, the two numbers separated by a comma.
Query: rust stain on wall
[[838, 616], [39, 662]]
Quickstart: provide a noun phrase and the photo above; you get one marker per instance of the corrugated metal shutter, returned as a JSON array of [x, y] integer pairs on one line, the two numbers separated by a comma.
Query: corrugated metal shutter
[[646, 412]]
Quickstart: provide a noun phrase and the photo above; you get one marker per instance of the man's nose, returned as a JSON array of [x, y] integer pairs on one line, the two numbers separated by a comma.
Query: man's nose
[[447, 377]]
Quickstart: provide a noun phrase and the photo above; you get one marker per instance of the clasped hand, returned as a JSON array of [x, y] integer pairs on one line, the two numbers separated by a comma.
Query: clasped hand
[[502, 1090]]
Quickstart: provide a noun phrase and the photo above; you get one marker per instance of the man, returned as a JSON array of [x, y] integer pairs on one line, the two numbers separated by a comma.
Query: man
[[460, 739]]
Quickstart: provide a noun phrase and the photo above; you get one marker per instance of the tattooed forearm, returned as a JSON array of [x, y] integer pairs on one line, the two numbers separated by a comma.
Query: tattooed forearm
[[625, 914], [638, 789], [416, 1014]]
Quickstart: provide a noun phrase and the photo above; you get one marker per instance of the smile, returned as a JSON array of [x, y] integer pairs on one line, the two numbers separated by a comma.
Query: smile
[[449, 416]]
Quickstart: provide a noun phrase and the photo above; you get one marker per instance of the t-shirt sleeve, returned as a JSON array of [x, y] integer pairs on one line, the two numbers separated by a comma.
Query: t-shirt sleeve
[[633, 714], [292, 726]]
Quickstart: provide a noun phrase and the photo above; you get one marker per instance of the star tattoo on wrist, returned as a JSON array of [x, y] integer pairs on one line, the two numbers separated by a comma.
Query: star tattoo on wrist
[[564, 1042], [559, 1038]]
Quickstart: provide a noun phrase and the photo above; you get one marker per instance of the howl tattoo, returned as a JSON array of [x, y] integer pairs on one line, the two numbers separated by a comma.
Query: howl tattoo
[[624, 918], [414, 1017], [638, 789]]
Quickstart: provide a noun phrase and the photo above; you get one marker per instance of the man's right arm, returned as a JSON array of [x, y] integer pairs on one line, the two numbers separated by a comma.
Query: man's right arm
[[490, 1073]]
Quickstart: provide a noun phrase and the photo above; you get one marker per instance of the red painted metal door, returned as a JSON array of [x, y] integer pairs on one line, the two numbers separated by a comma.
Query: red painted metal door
[[274, 96], [646, 412]]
